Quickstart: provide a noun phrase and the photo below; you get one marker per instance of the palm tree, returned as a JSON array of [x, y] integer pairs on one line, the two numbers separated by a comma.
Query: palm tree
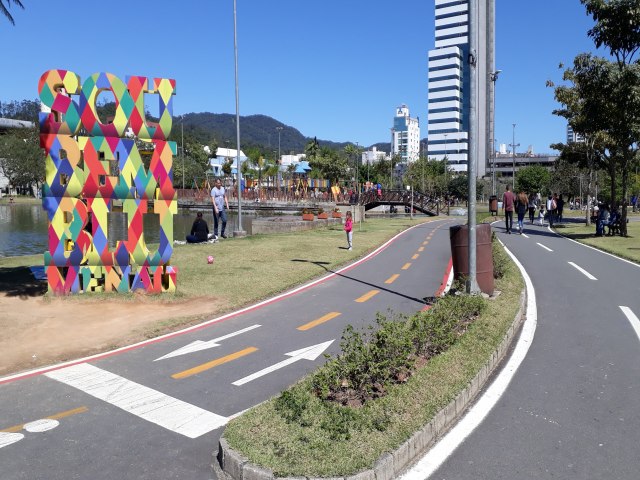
[[5, 8]]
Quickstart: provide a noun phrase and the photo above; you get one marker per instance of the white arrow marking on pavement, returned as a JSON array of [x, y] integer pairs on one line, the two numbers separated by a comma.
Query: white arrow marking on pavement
[[545, 247], [583, 271], [308, 353], [8, 438], [635, 322], [202, 345]]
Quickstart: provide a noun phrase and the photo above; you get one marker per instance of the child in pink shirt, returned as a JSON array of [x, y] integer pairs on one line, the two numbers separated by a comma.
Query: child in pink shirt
[[348, 226]]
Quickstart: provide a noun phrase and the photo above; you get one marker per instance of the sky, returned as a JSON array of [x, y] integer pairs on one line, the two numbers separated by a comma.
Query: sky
[[333, 69]]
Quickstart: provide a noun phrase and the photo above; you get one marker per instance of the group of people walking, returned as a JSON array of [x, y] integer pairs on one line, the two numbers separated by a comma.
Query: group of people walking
[[522, 203]]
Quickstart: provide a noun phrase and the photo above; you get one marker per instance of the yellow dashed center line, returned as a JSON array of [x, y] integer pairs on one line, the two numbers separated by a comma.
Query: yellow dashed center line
[[415, 257], [421, 249], [214, 363], [406, 266], [315, 323], [367, 296], [57, 416], [392, 278], [426, 243]]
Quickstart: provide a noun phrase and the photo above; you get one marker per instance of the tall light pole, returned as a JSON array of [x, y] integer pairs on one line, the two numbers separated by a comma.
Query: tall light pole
[[239, 232], [357, 169], [494, 79], [513, 152], [182, 148], [279, 129]]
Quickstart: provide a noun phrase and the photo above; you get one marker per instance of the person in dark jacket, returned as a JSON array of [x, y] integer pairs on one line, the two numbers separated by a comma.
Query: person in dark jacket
[[199, 230]]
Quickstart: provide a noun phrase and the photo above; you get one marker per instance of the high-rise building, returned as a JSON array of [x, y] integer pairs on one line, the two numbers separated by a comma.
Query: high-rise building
[[405, 135], [449, 100], [573, 137]]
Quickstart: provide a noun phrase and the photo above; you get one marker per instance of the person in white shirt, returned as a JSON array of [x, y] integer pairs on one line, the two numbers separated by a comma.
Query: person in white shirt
[[220, 207]]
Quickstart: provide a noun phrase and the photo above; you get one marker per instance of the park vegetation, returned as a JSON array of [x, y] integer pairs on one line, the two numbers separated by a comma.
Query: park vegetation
[[600, 100], [389, 380]]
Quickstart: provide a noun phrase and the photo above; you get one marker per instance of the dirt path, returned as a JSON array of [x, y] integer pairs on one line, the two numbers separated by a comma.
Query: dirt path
[[35, 331]]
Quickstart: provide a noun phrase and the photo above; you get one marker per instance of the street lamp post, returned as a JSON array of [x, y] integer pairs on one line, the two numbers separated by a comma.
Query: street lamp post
[[279, 129], [182, 148], [446, 176], [239, 232], [513, 152], [494, 79]]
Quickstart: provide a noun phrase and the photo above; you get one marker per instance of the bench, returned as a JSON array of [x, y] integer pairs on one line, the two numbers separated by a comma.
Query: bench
[[614, 227]]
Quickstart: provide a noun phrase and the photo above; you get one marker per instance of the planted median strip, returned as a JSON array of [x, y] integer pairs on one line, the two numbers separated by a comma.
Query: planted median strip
[[387, 384]]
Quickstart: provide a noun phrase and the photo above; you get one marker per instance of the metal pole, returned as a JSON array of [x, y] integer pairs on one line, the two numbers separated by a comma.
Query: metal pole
[[239, 232], [279, 155], [494, 79], [182, 128], [513, 152], [472, 284]]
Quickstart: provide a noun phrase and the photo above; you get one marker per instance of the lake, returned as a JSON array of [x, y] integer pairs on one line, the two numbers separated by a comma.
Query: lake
[[23, 227]]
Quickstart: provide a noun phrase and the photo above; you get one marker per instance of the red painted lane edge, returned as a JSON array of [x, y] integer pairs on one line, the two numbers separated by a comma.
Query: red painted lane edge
[[277, 298], [443, 285]]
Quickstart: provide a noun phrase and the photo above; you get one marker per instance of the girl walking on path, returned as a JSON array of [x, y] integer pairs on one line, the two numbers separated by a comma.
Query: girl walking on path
[[521, 208], [532, 207], [348, 227]]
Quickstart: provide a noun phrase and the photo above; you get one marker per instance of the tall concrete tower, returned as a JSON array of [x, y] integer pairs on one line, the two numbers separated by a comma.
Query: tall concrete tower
[[449, 100]]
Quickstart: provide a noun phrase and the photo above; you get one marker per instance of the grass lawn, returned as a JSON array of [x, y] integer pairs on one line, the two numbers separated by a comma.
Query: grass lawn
[[625, 247], [302, 449], [252, 268]]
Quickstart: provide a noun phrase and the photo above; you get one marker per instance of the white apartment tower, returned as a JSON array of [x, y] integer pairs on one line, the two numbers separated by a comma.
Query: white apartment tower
[[449, 100], [405, 135]]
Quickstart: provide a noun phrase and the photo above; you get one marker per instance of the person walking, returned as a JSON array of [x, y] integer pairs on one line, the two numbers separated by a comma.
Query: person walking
[[348, 227], [220, 207], [532, 207], [522, 202], [508, 201], [559, 207], [199, 230], [551, 209]]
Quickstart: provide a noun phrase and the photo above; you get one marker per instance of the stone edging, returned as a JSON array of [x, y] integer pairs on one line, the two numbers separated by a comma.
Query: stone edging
[[231, 465]]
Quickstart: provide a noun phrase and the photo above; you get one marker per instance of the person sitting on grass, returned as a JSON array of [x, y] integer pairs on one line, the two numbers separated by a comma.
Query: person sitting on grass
[[199, 230]]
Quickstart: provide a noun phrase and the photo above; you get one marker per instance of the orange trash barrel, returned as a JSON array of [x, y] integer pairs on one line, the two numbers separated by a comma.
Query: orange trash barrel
[[459, 236], [493, 204]]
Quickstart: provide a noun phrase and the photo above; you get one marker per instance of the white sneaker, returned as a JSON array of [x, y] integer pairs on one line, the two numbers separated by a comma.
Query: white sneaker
[[349, 248]]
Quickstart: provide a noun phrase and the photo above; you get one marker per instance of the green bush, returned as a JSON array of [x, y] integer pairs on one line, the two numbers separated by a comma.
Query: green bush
[[501, 260], [386, 353]]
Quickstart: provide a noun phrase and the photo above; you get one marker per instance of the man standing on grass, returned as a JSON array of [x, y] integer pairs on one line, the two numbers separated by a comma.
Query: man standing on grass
[[220, 207], [508, 199]]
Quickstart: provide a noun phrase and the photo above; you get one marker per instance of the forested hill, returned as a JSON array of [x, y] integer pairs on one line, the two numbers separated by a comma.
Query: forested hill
[[255, 130]]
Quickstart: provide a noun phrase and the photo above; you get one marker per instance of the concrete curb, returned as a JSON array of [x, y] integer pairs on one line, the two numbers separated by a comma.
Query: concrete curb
[[230, 465]]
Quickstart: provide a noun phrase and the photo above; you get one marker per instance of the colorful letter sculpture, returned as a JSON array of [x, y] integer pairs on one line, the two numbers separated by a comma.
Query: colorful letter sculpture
[[92, 170]]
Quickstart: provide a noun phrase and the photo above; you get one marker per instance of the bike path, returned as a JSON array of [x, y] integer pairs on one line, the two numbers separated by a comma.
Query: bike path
[[572, 409], [138, 415]]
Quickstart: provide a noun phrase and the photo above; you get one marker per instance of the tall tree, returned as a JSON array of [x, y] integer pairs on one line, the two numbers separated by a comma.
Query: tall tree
[[4, 8], [21, 158], [603, 101], [533, 179]]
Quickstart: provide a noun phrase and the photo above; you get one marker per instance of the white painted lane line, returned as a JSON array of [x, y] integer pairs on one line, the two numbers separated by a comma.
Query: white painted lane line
[[144, 402], [454, 438], [525, 235], [583, 271], [7, 438], [545, 247], [635, 322]]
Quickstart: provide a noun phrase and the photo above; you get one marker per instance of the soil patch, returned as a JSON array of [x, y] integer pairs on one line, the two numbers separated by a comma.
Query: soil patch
[[37, 331]]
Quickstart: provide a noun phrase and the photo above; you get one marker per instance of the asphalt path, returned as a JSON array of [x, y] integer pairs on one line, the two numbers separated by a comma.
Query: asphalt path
[[157, 411], [572, 408]]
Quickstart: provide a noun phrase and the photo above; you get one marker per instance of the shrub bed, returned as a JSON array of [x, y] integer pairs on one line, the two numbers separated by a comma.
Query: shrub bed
[[389, 381]]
